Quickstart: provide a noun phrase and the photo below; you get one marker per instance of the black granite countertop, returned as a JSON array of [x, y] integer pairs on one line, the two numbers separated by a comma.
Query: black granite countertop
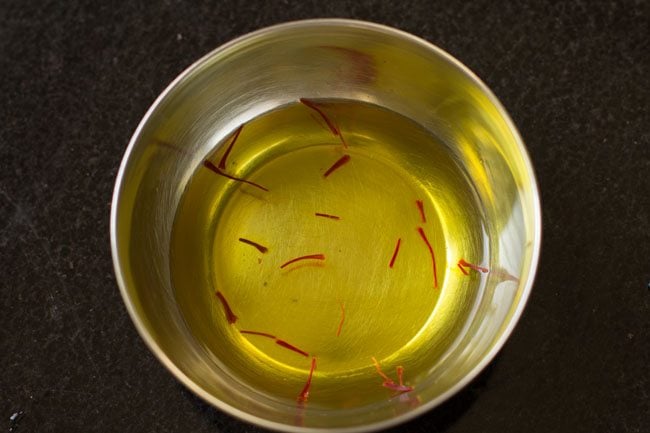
[[76, 78]]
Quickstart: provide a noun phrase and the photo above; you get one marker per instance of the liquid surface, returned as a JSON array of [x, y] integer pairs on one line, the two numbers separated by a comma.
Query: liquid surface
[[347, 305]]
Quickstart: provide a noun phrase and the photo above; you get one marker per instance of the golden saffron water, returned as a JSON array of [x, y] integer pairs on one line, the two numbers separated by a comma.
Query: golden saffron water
[[338, 230]]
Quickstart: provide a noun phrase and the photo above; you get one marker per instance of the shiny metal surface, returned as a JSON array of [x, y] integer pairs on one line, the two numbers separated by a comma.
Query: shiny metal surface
[[273, 67]]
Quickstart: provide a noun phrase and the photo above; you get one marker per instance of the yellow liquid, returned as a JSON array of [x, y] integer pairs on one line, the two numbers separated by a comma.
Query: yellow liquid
[[396, 314]]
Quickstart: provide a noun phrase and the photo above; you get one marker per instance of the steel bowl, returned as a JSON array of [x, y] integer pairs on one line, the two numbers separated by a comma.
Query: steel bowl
[[273, 67]]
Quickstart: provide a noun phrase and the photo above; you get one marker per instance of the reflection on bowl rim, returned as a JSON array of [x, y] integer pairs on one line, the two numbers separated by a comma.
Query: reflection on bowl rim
[[489, 356]]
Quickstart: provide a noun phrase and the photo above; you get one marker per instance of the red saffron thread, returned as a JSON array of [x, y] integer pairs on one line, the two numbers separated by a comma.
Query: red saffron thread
[[341, 161], [230, 316], [304, 395], [311, 104], [462, 263], [462, 269], [261, 248], [319, 121], [307, 257], [345, 144], [211, 166], [400, 375], [433, 256], [331, 125], [392, 260], [290, 347], [420, 206], [222, 163], [381, 373], [278, 341], [390, 383], [262, 334], [325, 215], [338, 331]]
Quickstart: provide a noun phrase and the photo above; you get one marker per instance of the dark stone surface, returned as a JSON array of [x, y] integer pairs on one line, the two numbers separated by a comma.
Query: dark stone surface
[[77, 76]]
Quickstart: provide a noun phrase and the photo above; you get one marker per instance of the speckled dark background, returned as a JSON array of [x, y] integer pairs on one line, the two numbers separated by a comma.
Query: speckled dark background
[[77, 76]]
